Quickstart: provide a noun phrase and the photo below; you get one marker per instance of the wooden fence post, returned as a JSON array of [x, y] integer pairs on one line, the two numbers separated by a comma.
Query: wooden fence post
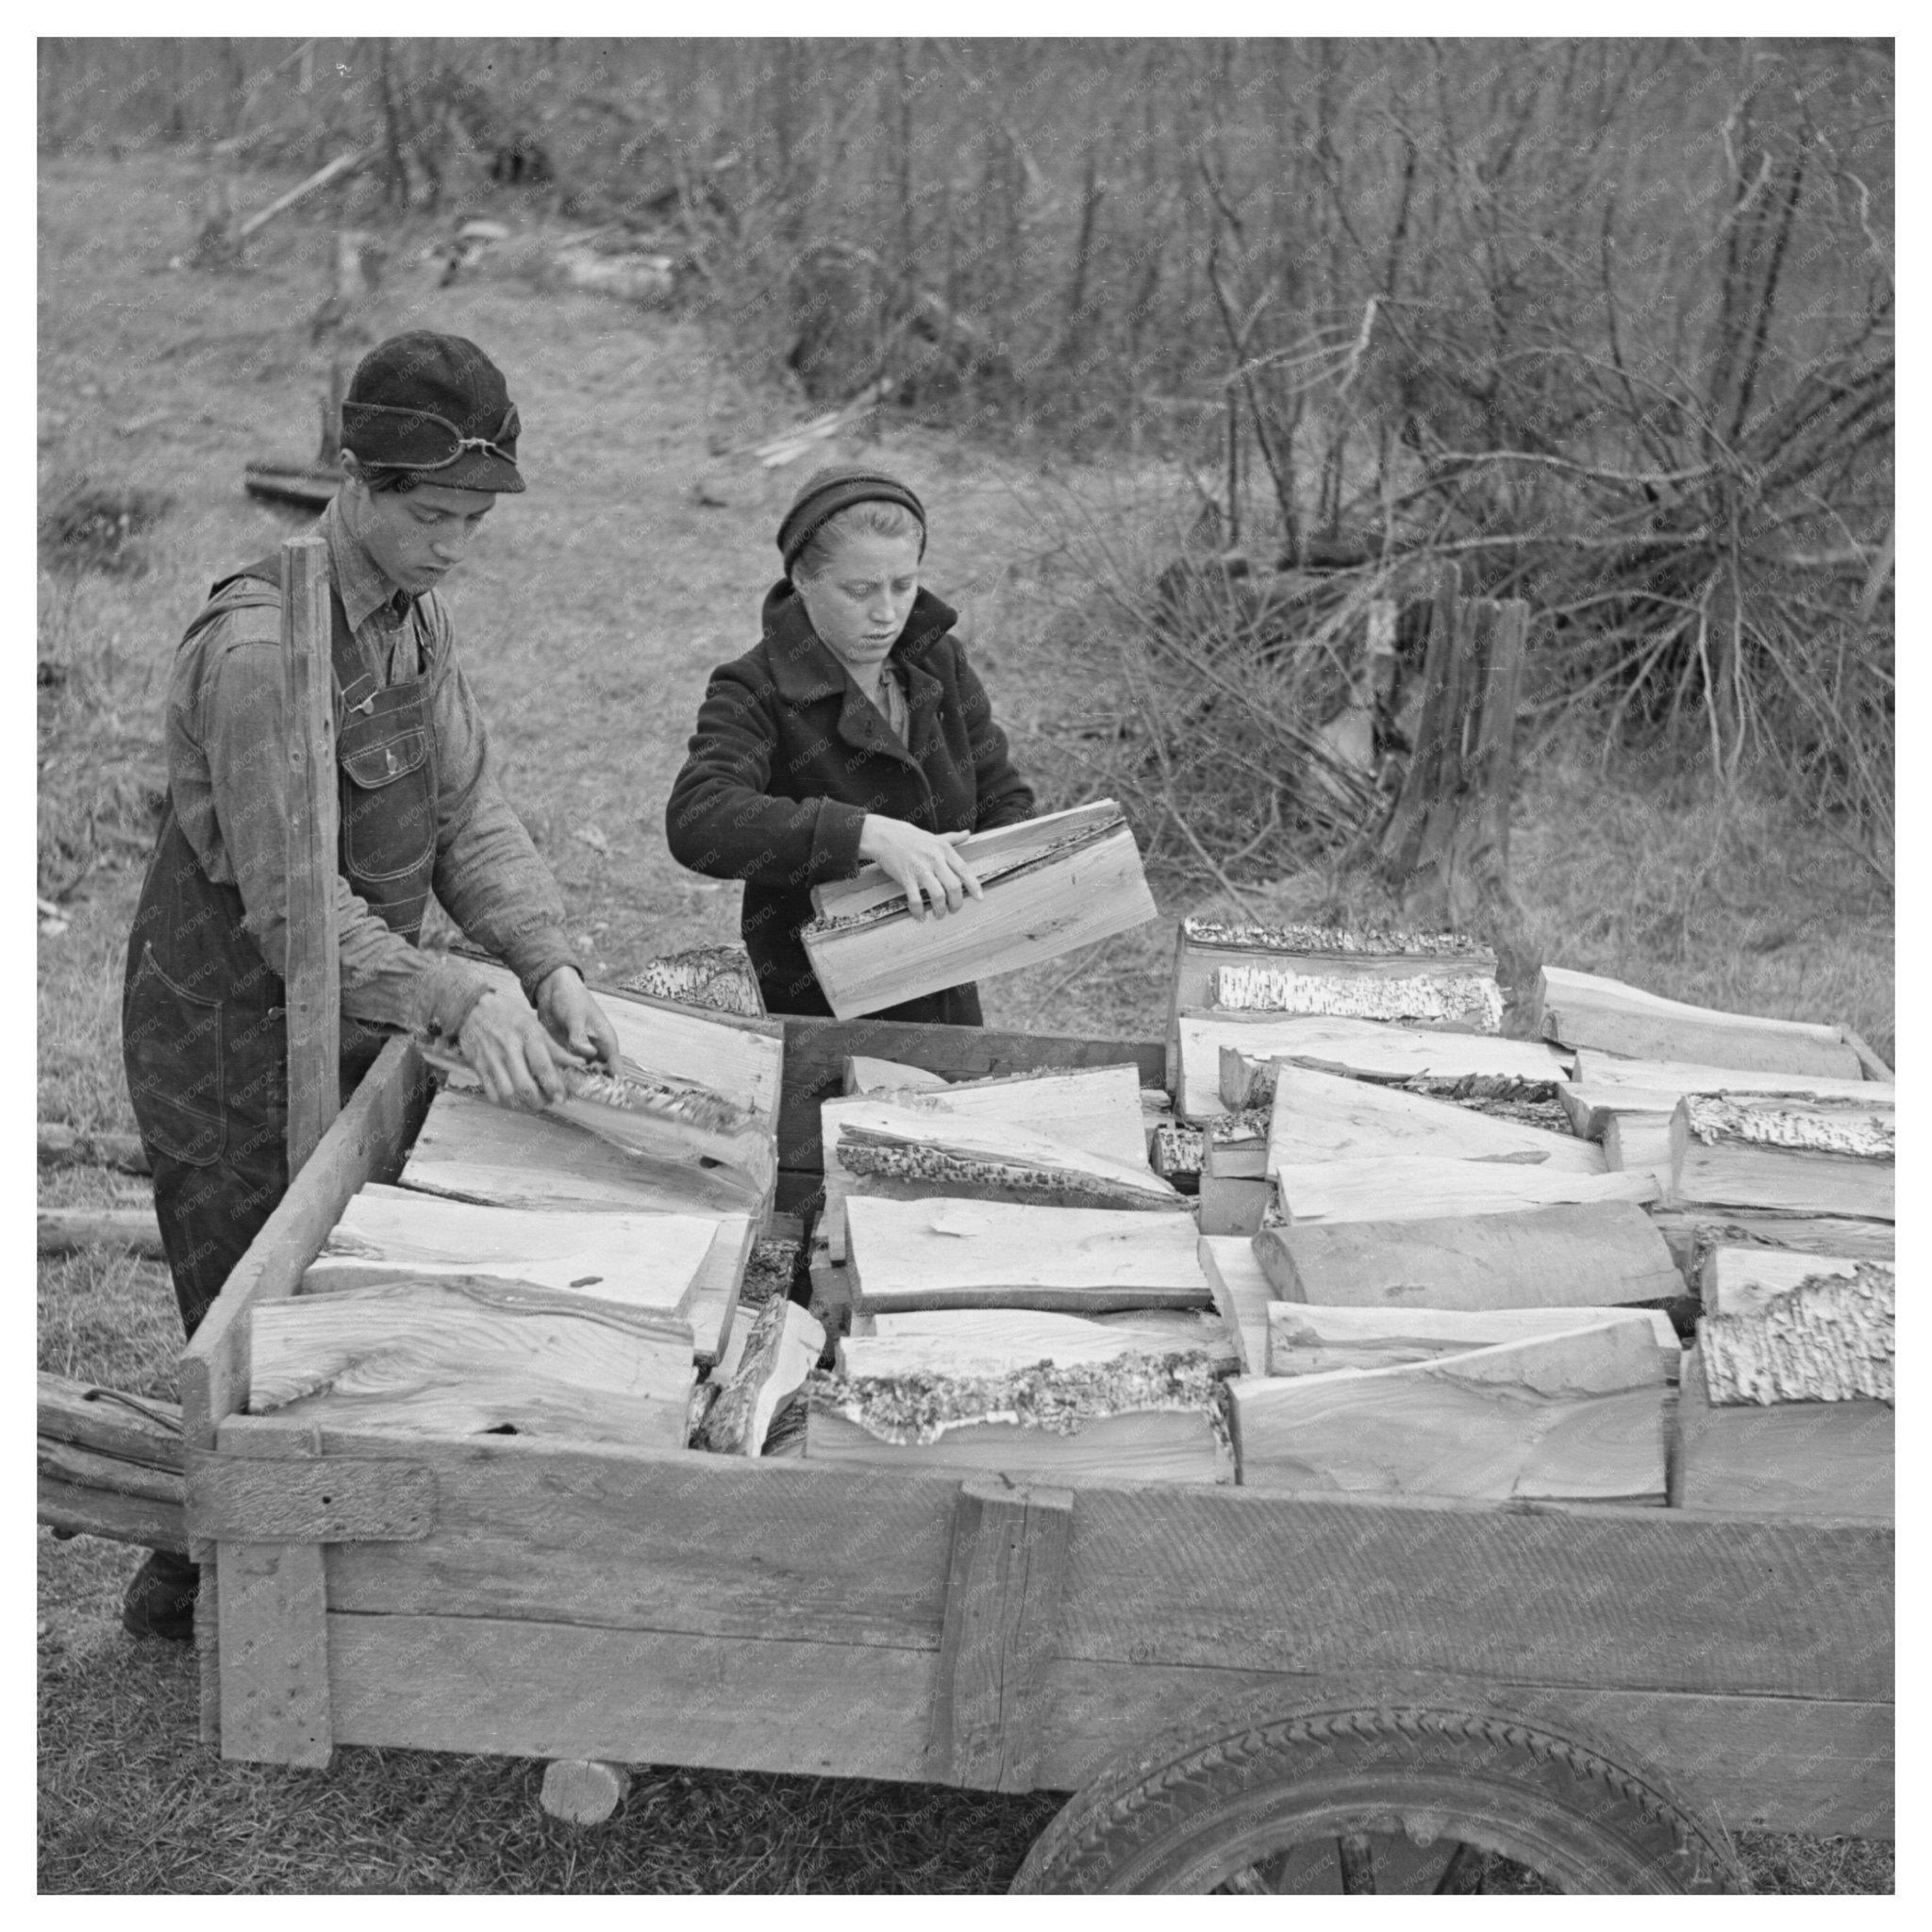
[[312, 973]]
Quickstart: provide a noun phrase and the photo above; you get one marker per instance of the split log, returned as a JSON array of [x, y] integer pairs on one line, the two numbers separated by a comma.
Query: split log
[[1605, 1254], [469, 1150], [1739, 1281], [1248, 1083], [1309, 1341], [650, 1262], [665, 1124], [1003, 1342], [1693, 1232], [1242, 1292], [433, 1359], [1361, 1049], [1204, 948], [1830, 1339], [1234, 1146], [1177, 1150], [1583, 1011], [1095, 1112], [1416, 1189], [1600, 1071], [719, 978], [1591, 1110], [986, 1254], [60, 1146], [109, 1465], [1789, 1459], [67, 1230], [781, 1350], [1133, 1418], [1576, 1416], [1232, 1206], [1051, 885], [1728, 1152], [1637, 1141], [1320, 1117]]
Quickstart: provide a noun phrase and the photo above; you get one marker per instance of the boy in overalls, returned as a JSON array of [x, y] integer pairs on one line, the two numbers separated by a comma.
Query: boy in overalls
[[429, 442]]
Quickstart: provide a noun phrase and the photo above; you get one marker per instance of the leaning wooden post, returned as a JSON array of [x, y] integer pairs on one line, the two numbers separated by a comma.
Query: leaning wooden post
[[312, 973]]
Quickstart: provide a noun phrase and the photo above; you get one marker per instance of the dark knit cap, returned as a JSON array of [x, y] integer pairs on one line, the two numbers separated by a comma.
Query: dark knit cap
[[435, 404], [828, 491]]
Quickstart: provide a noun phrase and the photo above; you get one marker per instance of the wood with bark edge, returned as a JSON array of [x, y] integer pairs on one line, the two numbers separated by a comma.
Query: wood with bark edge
[[1599, 1254], [1599, 1071], [1319, 1117], [816, 1050], [1576, 1416], [1727, 1153], [1005, 1575], [1830, 1339], [1785, 1460], [1000, 1340], [1181, 1445], [1692, 1232], [1361, 1049], [1090, 894], [1739, 1280], [1584, 1011], [1410, 1187], [1202, 947], [780, 1350], [1306, 1339]]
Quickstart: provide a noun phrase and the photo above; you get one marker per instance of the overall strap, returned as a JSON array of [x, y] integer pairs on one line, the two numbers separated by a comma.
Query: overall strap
[[356, 685]]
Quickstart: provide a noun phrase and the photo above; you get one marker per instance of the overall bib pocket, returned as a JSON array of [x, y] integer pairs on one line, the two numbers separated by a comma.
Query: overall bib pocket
[[387, 834]]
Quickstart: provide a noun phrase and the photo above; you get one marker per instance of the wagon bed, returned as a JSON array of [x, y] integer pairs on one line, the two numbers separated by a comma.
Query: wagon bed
[[511, 1595]]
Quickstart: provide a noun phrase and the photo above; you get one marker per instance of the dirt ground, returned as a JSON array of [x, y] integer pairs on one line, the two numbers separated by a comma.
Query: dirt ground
[[588, 615]]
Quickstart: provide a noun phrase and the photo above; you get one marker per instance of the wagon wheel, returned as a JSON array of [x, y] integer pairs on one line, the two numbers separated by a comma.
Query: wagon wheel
[[1354, 1799]]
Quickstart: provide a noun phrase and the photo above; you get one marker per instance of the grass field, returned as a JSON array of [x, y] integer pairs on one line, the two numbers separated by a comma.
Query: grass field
[[590, 614]]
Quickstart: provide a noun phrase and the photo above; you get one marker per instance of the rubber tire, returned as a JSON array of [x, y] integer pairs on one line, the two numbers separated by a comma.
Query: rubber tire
[[1186, 1818]]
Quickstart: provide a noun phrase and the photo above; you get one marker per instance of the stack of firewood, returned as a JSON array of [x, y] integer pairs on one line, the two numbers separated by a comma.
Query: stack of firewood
[[571, 1273], [1455, 1248]]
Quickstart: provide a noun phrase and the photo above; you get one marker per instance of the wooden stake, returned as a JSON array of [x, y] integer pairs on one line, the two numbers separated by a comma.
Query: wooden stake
[[314, 971]]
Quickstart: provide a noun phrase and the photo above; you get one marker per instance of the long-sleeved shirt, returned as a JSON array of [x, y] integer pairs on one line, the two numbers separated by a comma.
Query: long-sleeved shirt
[[227, 771]]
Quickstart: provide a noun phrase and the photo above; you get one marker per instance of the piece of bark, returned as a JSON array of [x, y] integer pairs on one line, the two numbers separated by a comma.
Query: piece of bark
[[1319, 1117], [1603, 1254], [1583, 1011], [1414, 1188], [1469, 1002], [1574, 1417], [1729, 1151], [438, 1358], [1309, 1341], [982, 1253], [783, 1347], [1830, 1339], [1741, 1280], [718, 978]]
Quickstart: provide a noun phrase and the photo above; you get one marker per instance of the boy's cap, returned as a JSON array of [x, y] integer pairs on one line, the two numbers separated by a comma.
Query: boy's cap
[[828, 491], [436, 405]]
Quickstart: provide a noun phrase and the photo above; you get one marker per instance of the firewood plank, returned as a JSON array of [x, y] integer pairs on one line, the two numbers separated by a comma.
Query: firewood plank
[[1410, 1187], [1242, 1292], [1304, 1339], [1727, 1153], [1599, 1254], [1320, 1117], [1582, 1010], [1739, 1280], [1005, 1575], [984, 1253], [781, 1349], [1089, 894], [1576, 1416]]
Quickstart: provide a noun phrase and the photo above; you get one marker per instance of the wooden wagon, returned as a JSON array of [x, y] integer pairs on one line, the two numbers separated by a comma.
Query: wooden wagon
[[1246, 1691]]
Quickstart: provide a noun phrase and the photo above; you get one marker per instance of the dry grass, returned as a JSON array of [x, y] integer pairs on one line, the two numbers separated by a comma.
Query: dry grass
[[590, 616]]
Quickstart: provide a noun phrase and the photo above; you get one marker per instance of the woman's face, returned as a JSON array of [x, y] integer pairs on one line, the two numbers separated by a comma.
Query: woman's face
[[860, 603]]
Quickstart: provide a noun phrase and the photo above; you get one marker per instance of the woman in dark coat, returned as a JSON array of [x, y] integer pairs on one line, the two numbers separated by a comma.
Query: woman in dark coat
[[855, 731]]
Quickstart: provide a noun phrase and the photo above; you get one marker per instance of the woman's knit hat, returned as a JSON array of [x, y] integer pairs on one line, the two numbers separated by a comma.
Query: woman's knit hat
[[828, 491]]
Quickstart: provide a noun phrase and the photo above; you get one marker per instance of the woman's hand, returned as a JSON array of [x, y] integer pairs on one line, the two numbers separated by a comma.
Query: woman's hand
[[516, 1061], [923, 865]]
